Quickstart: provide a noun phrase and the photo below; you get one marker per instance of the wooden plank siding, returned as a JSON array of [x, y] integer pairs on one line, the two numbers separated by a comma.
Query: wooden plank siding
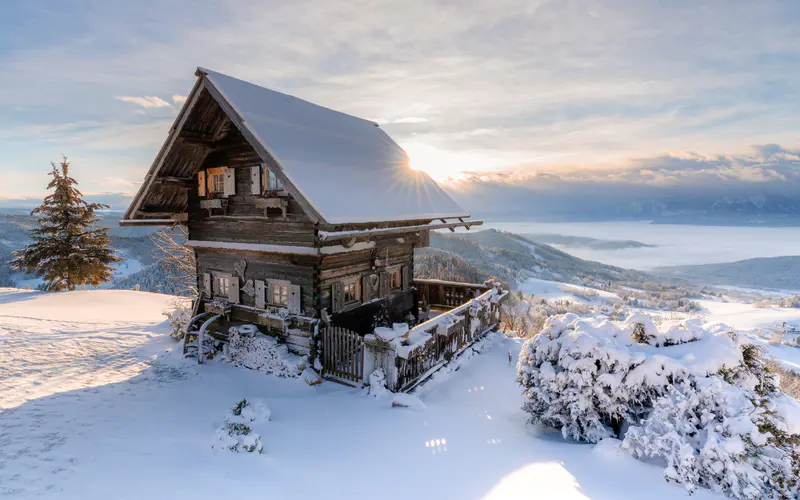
[[243, 221], [354, 265], [297, 269]]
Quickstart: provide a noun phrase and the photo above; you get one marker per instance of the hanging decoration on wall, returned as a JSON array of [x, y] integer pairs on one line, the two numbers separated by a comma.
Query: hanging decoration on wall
[[249, 288], [239, 267]]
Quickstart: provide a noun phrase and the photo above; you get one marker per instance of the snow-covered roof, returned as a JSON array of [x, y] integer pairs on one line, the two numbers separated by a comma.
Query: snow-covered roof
[[347, 168]]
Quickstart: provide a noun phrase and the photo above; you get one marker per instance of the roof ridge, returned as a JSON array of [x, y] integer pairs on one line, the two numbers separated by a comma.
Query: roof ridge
[[206, 72]]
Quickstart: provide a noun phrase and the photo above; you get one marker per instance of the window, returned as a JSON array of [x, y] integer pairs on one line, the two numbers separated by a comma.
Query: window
[[279, 294], [271, 183], [350, 293], [217, 182], [222, 285], [395, 279]]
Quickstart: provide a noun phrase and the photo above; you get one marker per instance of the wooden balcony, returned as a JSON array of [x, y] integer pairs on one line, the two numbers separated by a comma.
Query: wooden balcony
[[447, 295]]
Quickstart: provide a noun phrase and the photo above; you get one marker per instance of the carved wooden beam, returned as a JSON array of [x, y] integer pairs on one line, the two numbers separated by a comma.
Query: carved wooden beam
[[197, 138], [175, 181], [154, 214]]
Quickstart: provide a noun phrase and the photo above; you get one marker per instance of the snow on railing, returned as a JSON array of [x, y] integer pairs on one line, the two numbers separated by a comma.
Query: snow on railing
[[411, 357]]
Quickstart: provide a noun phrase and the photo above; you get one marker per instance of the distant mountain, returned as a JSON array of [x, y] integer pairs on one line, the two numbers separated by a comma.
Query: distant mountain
[[770, 273], [508, 256], [132, 243], [585, 242]]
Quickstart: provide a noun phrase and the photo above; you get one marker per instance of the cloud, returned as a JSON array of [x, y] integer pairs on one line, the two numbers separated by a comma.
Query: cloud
[[673, 183], [146, 101], [535, 86], [411, 119], [178, 99], [121, 183]]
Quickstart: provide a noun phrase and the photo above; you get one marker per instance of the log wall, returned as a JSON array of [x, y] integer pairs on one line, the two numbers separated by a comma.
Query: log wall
[[297, 269]]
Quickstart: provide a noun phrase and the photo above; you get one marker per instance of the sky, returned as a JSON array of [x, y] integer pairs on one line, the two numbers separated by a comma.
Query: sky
[[647, 91]]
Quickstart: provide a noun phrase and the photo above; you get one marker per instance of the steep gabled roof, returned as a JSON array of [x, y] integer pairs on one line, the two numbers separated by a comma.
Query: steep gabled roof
[[343, 169]]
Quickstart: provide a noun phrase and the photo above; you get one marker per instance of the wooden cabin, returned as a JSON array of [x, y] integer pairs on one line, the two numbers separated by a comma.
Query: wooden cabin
[[298, 214]]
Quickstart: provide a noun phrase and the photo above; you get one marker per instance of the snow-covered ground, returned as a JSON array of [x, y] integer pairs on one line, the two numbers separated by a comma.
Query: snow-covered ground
[[554, 290], [128, 266], [57, 342], [756, 321], [88, 413], [747, 316]]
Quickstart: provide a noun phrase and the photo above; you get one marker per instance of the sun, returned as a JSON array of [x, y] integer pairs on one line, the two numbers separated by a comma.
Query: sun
[[439, 164]]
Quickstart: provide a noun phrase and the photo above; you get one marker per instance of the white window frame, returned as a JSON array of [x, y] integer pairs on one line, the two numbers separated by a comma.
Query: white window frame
[[282, 287], [217, 183], [271, 181], [351, 291], [221, 284]]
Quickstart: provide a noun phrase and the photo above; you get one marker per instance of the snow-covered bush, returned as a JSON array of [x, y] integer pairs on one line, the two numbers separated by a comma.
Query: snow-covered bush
[[718, 435], [685, 392], [588, 377], [236, 432], [525, 314], [178, 319], [251, 349], [580, 291], [377, 389], [789, 379]]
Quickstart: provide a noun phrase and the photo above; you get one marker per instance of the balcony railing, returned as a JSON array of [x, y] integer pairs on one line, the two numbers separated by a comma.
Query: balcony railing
[[447, 294]]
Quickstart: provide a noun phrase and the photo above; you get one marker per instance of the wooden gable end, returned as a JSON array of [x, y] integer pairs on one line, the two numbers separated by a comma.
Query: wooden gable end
[[208, 133]]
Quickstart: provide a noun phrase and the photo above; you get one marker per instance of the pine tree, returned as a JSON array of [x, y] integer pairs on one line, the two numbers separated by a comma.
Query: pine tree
[[68, 250]]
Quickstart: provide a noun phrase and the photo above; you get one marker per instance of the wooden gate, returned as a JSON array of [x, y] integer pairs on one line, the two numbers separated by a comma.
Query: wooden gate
[[342, 355]]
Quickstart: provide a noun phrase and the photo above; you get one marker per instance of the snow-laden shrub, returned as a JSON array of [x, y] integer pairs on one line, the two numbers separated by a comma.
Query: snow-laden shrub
[[237, 431], [589, 377], [689, 393], [377, 384], [721, 436], [178, 319], [250, 349], [378, 390]]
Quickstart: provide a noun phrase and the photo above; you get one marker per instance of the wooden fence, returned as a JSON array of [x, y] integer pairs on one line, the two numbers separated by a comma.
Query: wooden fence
[[449, 334], [342, 355]]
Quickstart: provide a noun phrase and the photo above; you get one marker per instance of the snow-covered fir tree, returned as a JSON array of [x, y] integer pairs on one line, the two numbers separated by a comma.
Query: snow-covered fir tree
[[68, 248]]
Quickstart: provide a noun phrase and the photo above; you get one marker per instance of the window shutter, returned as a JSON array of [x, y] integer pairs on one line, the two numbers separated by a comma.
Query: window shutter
[[337, 297], [294, 299], [233, 291], [230, 181], [260, 294], [201, 183], [406, 279], [366, 289], [206, 285], [255, 180], [384, 284]]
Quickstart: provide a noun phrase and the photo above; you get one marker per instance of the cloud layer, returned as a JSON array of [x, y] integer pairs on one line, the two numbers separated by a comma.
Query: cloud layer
[[544, 86]]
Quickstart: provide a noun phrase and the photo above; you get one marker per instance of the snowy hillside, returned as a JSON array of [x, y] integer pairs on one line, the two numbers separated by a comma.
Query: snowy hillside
[[514, 258], [90, 413], [132, 243]]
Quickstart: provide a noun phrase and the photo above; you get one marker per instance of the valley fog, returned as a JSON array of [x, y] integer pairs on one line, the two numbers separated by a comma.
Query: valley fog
[[664, 244]]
